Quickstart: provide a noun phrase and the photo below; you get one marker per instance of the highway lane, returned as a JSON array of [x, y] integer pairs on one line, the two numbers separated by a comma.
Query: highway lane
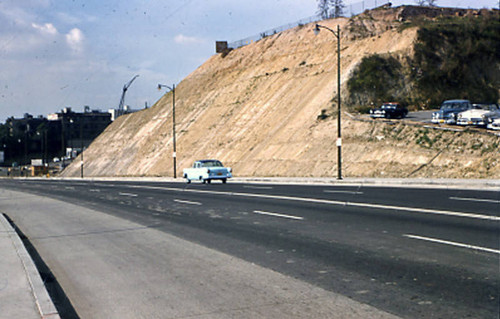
[[414, 263], [442, 199]]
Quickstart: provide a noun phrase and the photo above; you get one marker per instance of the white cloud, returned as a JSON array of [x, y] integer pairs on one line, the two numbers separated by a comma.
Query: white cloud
[[182, 39], [68, 18], [75, 39], [74, 19], [14, 15], [47, 28]]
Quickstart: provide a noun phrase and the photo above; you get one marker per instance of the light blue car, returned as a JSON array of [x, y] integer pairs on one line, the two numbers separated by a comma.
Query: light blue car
[[448, 113], [206, 171]]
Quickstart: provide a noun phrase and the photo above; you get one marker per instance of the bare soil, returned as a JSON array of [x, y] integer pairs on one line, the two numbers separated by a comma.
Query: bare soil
[[256, 109]]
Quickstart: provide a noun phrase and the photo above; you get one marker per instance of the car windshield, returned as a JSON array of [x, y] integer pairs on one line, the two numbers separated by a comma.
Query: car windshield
[[452, 106], [389, 106], [211, 164]]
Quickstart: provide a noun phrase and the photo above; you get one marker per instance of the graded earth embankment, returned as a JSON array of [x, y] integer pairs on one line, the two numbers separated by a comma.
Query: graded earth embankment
[[256, 109]]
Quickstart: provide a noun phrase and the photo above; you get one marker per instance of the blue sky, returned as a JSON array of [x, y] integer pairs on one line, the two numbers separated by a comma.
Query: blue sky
[[72, 53]]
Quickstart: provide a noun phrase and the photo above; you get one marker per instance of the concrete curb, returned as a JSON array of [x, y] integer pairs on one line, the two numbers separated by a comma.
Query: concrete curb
[[42, 299], [479, 184]]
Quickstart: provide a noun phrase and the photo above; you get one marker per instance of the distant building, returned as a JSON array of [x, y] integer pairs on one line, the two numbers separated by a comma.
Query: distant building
[[62, 134], [126, 110], [78, 130], [24, 138], [221, 46]]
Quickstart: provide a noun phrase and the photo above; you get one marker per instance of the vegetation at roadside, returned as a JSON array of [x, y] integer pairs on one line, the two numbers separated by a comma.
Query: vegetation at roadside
[[454, 58]]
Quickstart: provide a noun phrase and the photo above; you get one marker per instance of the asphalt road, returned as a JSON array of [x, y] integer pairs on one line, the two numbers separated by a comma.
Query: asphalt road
[[415, 253], [418, 116], [421, 116]]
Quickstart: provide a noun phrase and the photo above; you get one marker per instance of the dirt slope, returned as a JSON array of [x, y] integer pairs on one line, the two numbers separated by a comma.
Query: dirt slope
[[257, 109]]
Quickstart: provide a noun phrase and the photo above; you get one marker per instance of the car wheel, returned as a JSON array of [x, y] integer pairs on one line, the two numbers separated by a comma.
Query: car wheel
[[224, 180], [209, 181]]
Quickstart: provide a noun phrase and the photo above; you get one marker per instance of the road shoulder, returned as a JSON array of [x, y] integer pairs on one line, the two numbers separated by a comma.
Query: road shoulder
[[119, 269]]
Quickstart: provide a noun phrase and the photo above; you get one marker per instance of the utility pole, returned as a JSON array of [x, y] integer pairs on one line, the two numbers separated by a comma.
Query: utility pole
[[81, 145]]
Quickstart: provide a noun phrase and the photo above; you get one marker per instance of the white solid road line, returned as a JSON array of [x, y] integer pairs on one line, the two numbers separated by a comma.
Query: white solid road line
[[186, 202], [328, 202], [452, 243], [278, 215], [483, 200], [127, 194]]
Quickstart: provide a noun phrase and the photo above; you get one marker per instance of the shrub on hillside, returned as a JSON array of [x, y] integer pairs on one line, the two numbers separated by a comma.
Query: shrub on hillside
[[375, 80]]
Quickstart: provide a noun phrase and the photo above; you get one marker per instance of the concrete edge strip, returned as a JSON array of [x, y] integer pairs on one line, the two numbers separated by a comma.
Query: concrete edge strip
[[44, 303]]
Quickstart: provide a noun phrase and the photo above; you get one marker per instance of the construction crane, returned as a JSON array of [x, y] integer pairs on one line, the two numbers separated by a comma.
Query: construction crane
[[122, 100]]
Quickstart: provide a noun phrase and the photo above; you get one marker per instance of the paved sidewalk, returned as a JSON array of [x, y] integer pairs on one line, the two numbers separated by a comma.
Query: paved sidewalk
[[22, 292]]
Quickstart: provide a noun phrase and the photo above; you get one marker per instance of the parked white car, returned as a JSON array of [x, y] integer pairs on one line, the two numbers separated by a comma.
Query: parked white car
[[493, 124], [206, 171], [479, 115]]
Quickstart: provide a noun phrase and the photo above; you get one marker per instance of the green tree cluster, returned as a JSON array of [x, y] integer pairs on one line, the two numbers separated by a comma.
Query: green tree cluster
[[454, 58], [377, 79], [458, 58]]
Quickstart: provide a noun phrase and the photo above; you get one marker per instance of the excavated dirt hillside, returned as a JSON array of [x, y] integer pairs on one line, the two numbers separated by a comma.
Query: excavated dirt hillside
[[256, 109]]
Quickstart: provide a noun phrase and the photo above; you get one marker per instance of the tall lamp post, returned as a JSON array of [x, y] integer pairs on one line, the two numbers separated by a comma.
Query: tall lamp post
[[174, 155], [81, 146], [339, 135]]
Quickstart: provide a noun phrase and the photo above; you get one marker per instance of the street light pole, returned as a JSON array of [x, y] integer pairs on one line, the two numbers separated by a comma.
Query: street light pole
[[339, 132], [174, 155], [81, 146]]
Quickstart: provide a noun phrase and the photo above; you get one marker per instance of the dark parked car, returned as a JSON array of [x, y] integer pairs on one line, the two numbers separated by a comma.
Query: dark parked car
[[449, 110], [389, 111]]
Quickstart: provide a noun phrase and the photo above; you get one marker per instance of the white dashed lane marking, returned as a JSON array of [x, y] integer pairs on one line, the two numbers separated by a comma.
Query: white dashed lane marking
[[481, 200], [186, 202], [128, 194], [278, 215], [452, 243], [258, 187], [343, 192]]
